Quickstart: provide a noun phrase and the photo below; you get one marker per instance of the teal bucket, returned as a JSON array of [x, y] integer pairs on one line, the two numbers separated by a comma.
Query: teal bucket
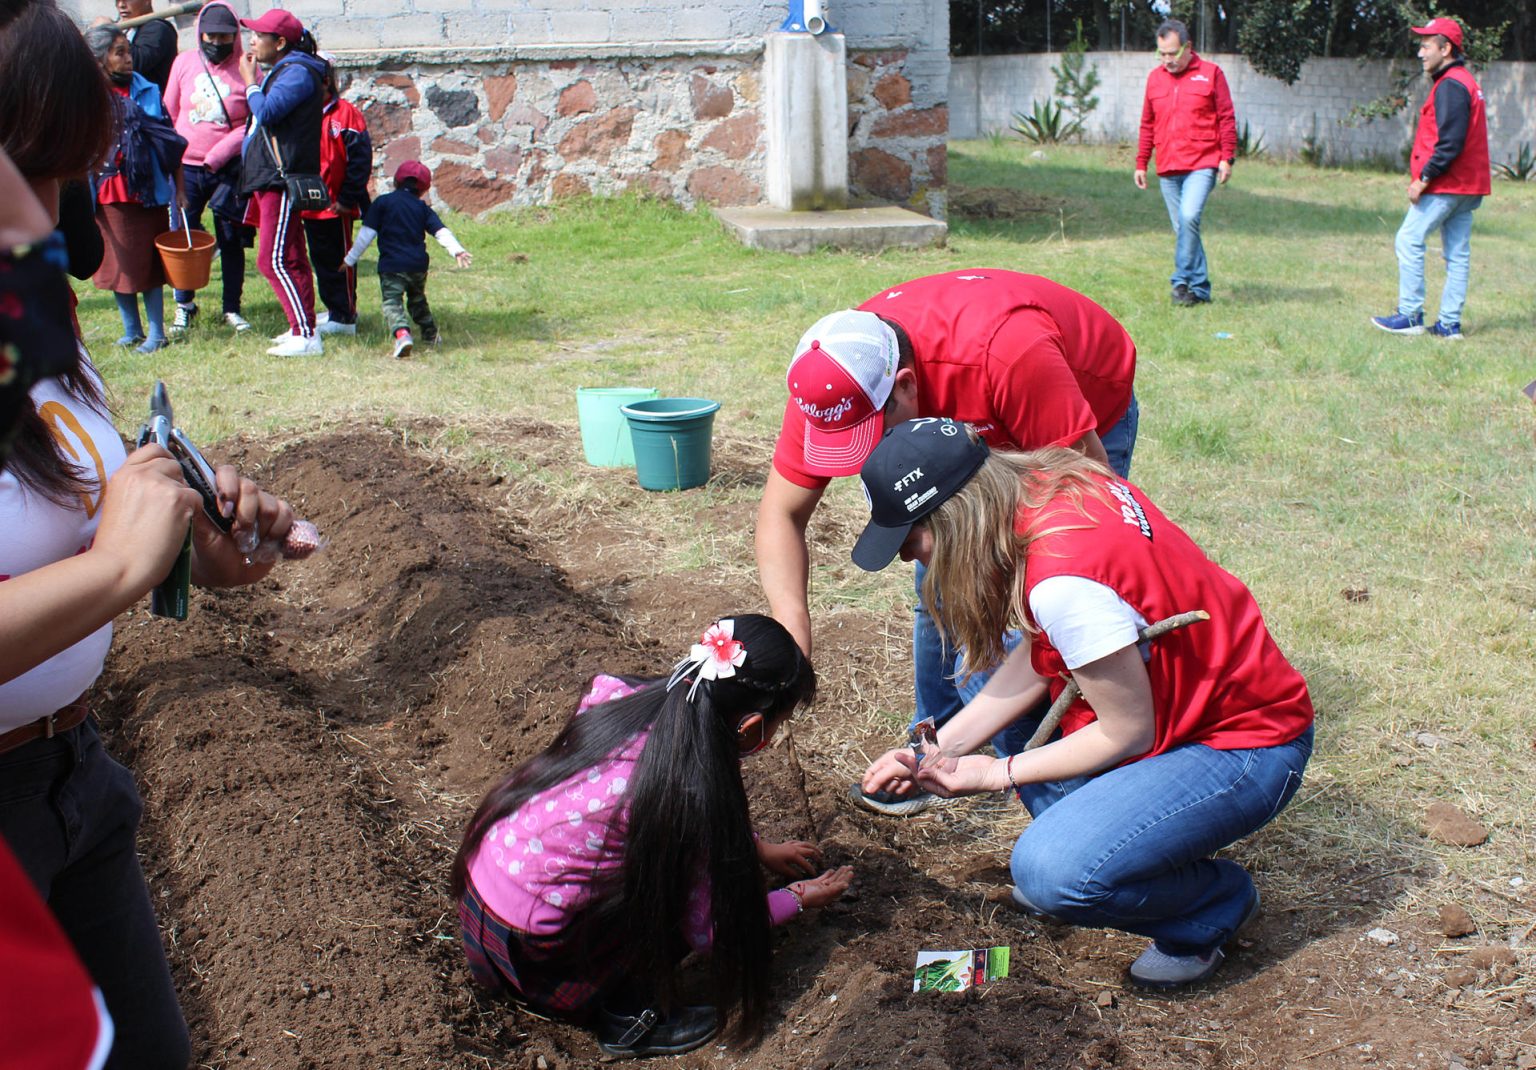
[[672, 437], [604, 431]]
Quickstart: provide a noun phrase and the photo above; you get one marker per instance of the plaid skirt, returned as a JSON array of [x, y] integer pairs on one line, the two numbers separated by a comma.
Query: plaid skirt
[[538, 970]]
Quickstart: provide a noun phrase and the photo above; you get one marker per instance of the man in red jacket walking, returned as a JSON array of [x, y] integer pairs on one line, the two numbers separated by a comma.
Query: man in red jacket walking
[[1187, 119], [1448, 177]]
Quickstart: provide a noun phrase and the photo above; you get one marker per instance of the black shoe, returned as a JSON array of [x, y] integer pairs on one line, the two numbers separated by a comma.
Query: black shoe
[[637, 1036], [1181, 295]]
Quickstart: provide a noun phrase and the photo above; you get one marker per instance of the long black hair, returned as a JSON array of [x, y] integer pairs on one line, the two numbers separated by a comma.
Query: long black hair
[[687, 819], [57, 122]]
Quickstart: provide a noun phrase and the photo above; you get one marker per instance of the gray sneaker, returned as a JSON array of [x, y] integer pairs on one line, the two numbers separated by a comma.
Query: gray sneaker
[[891, 804], [1160, 971], [1025, 906]]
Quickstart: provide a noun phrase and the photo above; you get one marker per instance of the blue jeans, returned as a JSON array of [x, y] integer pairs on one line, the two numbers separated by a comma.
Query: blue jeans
[[939, 693], [70, 814], [1185, 195], [1131, 848], [1451, 214]]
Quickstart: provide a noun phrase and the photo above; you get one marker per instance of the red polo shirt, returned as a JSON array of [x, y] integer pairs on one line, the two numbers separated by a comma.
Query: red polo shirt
[[1026, 361]]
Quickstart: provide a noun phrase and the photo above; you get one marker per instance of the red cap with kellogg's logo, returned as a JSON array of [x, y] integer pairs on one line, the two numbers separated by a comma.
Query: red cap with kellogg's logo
[[840, 381]]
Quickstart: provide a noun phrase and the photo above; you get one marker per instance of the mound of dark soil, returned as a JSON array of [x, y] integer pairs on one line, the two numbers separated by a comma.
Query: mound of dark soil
[[310, 748]]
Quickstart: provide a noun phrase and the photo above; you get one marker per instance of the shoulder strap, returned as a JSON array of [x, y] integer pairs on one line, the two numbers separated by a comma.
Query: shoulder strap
[[215, 83], [282, 171]]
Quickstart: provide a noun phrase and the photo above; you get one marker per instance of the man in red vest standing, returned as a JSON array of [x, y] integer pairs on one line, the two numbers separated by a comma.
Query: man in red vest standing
[[1448, 178], [1187, 119]]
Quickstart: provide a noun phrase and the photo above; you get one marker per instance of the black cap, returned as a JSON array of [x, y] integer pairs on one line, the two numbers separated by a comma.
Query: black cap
[[917, 467], [217, 18]]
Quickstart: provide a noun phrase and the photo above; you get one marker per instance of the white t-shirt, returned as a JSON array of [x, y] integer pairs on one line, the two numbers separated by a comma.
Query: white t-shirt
[[1083, 619], [35, 532]]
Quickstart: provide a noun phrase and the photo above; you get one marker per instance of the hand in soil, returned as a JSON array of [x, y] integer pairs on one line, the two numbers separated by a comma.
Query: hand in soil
[[793, 859], [824, 889]]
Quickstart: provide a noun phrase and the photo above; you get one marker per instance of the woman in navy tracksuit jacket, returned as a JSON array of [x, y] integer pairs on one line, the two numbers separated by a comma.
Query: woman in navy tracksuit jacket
[[285, 109]]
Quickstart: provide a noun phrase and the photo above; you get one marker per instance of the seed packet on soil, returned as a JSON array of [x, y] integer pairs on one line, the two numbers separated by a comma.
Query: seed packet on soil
[[955, 971]]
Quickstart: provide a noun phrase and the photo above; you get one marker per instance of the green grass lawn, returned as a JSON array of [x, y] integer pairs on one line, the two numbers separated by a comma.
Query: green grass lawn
[[1308, 452]]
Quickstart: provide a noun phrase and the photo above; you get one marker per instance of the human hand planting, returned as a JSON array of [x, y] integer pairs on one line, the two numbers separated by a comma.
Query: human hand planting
[[827, 888], [792, 859]]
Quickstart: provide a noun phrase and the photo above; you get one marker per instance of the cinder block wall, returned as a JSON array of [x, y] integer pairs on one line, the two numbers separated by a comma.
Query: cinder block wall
[[1286, 115], [513, 102]]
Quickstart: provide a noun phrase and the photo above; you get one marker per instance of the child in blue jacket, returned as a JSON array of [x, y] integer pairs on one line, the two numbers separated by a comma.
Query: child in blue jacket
[[401, 220]]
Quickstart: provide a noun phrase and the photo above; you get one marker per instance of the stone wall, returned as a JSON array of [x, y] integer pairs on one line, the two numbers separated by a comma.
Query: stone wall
[[687, 127], [984, 93], [515, 102]]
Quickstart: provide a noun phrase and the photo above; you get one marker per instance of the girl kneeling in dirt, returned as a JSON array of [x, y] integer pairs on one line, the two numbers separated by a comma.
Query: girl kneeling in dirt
[[1177, 748], [588, 873]]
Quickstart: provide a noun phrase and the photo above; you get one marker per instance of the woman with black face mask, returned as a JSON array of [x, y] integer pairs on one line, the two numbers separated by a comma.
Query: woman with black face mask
[[205, 98]]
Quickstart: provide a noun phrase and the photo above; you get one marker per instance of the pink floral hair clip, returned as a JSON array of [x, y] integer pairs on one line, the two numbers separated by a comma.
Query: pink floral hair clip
[[714, 657]]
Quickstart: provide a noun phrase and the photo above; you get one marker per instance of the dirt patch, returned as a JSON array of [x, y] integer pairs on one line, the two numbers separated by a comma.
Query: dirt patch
[[998, 202], [309, 750]]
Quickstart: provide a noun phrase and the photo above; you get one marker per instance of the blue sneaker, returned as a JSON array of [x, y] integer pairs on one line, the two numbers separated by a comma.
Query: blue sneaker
[[1398, 323], [1450, 333]]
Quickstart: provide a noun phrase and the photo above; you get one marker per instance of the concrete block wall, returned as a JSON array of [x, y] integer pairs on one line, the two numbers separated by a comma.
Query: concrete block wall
[[985, 92]]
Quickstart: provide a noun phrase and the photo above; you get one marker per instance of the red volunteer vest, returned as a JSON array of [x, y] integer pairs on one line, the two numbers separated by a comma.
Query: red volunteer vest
[[1221, 682], [1469, 172]]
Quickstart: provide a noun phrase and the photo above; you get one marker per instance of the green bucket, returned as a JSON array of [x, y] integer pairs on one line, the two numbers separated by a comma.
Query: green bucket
[[672, 437], [604, 431]]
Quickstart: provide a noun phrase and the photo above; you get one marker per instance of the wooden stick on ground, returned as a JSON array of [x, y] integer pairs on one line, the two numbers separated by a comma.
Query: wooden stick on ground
[[1071, 692]]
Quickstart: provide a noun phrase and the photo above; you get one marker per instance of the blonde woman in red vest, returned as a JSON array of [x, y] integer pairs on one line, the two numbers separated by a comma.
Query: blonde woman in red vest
[[1448, 177], [1178, 747]]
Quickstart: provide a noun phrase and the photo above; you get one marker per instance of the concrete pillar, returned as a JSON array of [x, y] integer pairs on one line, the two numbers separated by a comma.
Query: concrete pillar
[[806, 100]]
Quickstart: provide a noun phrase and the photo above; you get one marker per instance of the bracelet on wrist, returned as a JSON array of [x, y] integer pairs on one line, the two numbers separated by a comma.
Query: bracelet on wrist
[[1012, 783], [799, 898]]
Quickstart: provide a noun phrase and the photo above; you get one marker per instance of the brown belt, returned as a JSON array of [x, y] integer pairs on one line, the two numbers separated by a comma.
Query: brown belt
[[45, 727]]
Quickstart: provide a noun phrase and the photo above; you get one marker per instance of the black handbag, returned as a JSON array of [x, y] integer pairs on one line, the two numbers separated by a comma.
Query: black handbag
[[306, 193]]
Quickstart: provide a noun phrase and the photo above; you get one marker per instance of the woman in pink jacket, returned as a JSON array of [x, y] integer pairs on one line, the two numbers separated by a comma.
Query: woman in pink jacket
[[205, 98]]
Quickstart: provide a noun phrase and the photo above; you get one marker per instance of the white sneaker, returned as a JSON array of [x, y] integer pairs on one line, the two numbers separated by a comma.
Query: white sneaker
[[296, 346], [328, 326], [403, 344], [181, 323], [322, 317], [278, 338], [237, 321]]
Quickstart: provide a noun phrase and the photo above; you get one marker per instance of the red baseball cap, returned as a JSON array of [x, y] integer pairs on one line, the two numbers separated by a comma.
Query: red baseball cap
[[278, 23], [840, 381], [1450, 29], [417, 170]]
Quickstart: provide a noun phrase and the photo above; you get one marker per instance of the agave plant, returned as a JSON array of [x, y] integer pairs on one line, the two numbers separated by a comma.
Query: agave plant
[[1046, 124], [1249, 145], [1521, 168]]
